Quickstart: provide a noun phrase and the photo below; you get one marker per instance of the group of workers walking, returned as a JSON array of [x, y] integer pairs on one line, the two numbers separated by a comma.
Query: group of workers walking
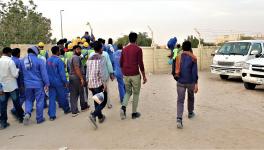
[[66, 76], [78, 66]]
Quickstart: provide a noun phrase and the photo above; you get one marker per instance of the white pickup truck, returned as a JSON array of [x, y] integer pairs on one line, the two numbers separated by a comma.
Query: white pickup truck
[[232, 56], [253, 73]]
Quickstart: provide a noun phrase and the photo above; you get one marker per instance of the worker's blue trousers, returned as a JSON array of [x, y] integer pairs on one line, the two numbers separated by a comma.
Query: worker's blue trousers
[[59, 93], [22, 99], [31, 95], [121, 88]]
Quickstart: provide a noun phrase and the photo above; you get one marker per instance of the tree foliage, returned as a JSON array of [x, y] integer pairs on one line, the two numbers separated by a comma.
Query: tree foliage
[[195, 42], [22, 24], [142, 40], [247, 38]]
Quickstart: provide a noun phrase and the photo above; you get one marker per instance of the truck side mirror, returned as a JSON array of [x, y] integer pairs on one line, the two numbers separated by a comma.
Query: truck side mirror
[[258, 55], [213, 54], [254, 52]]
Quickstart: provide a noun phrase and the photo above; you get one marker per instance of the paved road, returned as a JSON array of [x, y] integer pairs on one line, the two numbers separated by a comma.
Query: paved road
[[228, 117]]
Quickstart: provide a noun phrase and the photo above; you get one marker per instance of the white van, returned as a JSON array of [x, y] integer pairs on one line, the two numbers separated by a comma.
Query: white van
[[253, 73], [231, 57]]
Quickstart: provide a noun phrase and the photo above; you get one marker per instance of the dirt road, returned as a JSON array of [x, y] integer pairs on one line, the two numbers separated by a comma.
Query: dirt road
[[228, 117]]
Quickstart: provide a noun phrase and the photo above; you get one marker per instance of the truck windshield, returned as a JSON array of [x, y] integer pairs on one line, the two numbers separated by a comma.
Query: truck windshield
[[234, 48]]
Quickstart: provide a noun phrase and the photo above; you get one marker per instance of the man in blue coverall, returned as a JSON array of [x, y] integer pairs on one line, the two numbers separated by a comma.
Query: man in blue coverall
[[58, 83], [20, 81], [36, 83], [118, 72]]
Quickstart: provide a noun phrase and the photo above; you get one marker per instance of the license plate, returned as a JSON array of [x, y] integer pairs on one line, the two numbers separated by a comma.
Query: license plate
[[260, 81]]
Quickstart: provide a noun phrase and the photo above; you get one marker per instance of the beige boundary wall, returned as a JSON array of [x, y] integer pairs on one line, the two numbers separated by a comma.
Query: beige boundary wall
[[204, 56], [24, 47], [155, 60]]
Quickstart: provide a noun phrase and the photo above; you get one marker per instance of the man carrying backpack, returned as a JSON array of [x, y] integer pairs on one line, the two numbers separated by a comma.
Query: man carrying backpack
[[186, 75]]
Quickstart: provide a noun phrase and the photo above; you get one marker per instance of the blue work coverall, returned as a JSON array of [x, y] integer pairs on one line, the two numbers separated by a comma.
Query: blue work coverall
[[20, 81], [119, 74], [57, 88], [35, 78]]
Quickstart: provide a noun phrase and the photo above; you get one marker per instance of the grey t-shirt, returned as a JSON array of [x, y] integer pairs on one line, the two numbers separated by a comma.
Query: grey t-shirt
[[77, 61]]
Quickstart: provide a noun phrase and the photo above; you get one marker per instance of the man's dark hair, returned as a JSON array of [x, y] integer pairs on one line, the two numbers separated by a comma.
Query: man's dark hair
[[86, 32], [187, 46], [60, 42], [16, 52], [132, 37], [65, 40], [100, 40], [110, 41], [7, 50], [76, 46], [30, 51], [178, 46], [120, 46], [92, 44], [55, 50], [97, 46], [62, 52]]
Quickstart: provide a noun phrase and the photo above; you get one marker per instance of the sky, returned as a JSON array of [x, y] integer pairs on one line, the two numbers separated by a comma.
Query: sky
[[167, 18]]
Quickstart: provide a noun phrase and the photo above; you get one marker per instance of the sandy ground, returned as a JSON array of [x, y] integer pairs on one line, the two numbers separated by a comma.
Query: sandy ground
[[228, 117]]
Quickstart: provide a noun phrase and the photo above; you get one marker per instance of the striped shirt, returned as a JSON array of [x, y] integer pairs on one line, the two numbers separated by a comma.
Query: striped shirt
[[94, 73]]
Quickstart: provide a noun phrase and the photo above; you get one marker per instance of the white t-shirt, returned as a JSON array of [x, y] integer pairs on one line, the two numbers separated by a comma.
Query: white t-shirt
[[9, 73]]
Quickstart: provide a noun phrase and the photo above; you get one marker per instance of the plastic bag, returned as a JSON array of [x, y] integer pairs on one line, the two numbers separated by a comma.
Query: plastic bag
[[98, 98]]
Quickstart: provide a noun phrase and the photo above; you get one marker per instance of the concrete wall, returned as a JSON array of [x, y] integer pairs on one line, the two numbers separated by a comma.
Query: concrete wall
[[204, 56], [24, 48], [158, 63], [155, 60]]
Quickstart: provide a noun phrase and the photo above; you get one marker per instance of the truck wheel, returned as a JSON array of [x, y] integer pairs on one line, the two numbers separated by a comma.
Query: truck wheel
[[249, 86], [224, 77]]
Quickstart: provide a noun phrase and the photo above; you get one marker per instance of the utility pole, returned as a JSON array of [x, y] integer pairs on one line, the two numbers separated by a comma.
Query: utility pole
[[154, 48], [199, 48], [61, 23], [88, 24], [152, 36]]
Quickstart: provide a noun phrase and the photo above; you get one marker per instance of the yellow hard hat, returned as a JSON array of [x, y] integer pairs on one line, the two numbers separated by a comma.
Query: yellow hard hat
[[79, 40], [83, 40], [85, 44], [41, 44], [70, 46], [74, 43]]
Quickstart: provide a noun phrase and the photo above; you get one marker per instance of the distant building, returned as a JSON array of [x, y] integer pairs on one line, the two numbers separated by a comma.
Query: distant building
[[259, 37], [226, 38], [235, 37]]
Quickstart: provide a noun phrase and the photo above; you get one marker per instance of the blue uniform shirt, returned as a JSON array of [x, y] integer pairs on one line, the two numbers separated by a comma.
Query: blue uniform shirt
[[56, 71], [188, 72], [18, 62], [117, 56], [34, 72]]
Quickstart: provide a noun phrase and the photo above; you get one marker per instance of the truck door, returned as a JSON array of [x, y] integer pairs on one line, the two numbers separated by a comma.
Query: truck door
[[255, 47]]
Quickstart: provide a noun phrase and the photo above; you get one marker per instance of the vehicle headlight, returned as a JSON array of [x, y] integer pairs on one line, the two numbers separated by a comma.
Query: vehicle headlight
[[215, 62], [239, 64], [246, 66]]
